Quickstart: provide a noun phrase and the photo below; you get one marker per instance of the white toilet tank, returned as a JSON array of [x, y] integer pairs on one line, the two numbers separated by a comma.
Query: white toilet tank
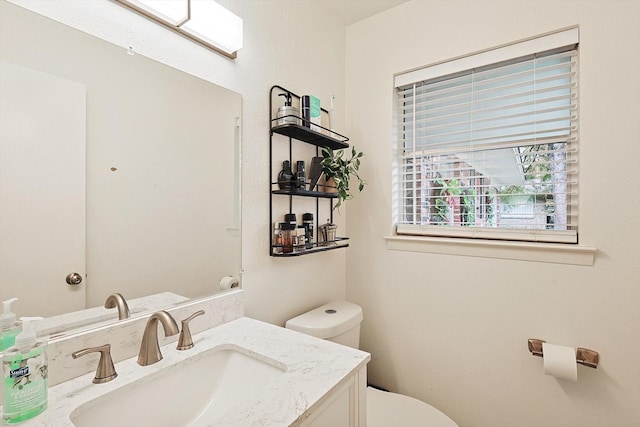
[[337, 321]]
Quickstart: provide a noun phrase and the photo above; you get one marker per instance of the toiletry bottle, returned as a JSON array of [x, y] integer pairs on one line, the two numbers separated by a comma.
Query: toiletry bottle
[[305, 105], [301, 175], [287, 231], [311, 112], [290, 219], [285, 177], [277, 238], [300, 240], [9, 326], [287, 114], [24, 377], [280, 240], [307, 223]]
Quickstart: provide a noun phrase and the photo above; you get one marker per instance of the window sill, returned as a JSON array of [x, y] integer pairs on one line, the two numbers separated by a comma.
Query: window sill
[[522, 251]]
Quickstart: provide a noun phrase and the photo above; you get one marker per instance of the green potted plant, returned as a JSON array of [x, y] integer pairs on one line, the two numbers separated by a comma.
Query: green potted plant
[[340, 169]]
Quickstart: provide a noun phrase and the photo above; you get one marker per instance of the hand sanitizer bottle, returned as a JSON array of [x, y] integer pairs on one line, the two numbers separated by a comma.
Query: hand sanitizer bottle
[[9, 326], [24, 377]]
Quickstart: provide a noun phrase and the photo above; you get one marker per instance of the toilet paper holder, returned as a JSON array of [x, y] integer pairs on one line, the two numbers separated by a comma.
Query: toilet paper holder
[[584, 356]]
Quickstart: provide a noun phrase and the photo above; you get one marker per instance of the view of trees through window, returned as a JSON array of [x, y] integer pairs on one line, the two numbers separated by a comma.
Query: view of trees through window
[[452, 192]]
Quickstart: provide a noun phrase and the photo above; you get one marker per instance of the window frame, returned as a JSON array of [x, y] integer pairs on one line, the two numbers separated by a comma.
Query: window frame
[[568, 37]]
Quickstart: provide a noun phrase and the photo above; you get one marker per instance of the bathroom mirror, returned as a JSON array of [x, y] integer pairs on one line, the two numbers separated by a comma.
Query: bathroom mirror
[[148, 202]]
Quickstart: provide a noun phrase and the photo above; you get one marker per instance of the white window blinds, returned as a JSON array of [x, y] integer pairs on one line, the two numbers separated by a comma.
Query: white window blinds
[[491, 152]]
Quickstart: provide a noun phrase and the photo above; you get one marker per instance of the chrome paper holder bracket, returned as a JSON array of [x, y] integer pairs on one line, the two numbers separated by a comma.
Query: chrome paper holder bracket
[[584, 356]]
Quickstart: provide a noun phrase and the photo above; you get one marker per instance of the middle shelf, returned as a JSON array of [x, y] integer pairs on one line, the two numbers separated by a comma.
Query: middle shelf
[[304, 193]]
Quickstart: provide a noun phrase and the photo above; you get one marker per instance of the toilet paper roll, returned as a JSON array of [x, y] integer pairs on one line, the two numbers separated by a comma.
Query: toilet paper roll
[[560, 361], [228, 282]]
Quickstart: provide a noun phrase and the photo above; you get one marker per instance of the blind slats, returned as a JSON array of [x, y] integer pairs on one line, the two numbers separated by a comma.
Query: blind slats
[[461, 94], [483, 115], [477, 128], [463, 83], [537, 138], [480, 110], [423, 151]]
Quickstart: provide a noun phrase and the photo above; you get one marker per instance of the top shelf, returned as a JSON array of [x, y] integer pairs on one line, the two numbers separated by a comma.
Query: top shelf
[[305, 134]]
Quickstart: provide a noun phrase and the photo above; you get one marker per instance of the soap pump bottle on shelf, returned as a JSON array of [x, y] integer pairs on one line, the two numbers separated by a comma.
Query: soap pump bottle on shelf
[[287, 114]]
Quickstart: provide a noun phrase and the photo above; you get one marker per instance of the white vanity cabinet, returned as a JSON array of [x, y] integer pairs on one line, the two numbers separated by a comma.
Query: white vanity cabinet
[[343, 407]]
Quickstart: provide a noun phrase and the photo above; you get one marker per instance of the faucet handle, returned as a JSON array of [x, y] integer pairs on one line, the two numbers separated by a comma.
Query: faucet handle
[[185, 342], [105, 371]]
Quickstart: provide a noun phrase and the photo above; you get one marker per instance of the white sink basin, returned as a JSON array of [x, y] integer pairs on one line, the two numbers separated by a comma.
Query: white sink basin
[[193, 392]]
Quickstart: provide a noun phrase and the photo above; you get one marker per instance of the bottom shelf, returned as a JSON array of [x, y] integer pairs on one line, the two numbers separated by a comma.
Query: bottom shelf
[[339, 243]]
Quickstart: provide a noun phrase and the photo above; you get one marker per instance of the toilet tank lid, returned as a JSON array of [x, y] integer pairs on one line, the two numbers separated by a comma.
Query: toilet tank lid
[[327, 321]]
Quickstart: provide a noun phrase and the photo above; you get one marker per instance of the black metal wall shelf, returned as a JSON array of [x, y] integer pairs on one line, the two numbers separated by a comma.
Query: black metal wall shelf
[[297, 132]]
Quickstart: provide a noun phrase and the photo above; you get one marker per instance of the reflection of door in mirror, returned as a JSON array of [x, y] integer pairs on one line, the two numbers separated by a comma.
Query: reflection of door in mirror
[[42, 190]]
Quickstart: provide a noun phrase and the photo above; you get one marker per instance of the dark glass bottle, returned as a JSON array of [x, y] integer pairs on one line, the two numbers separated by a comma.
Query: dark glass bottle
[[286, 180], [307, 222], [301, 175], [290, 219]]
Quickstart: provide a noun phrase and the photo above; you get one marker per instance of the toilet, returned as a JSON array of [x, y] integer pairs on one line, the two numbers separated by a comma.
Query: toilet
[[339, 322]]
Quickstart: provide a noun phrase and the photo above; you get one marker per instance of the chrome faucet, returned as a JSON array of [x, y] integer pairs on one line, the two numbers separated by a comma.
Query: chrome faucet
[[149, 348], [117, 300], [105, 371]]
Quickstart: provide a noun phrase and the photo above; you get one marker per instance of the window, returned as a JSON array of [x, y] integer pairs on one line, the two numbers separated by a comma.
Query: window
[[487, 144]]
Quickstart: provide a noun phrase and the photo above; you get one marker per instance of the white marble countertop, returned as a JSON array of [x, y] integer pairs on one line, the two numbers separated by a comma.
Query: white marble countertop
[[314, 367], [98, 316]]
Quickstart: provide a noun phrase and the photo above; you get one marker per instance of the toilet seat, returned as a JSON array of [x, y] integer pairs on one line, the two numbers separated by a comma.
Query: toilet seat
[[386, 409]]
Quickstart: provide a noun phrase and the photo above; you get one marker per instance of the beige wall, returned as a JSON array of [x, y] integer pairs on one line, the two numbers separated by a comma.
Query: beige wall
[[453, 330], [290, 43]]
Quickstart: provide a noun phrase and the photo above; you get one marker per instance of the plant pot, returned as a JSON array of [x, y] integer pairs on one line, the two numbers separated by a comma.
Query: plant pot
[[329, 186]]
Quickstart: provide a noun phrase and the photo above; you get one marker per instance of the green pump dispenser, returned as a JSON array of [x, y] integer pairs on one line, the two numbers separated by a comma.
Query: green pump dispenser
[[24, 379], [9, 326]]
